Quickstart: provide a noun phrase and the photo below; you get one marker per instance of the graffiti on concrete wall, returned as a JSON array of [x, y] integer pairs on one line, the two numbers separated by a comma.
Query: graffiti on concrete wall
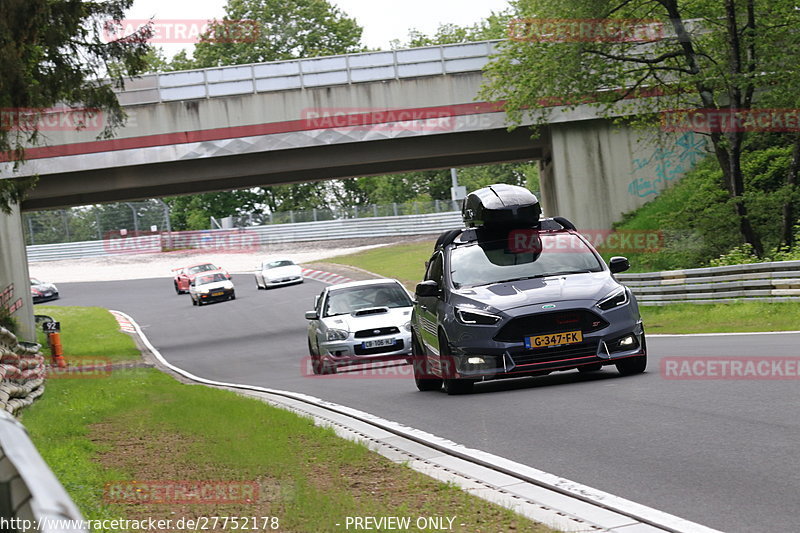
[[665, 164], [5, 299]]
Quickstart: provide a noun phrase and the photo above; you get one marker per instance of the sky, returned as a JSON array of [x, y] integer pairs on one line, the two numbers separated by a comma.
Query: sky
[[382, 20]]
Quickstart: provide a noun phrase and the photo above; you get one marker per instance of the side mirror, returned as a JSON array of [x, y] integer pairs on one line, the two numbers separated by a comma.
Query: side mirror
[[618, 264], [311, 315], [428, 288]]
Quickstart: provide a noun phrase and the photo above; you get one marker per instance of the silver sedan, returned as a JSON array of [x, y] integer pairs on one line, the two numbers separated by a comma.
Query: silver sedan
[[358, 322]]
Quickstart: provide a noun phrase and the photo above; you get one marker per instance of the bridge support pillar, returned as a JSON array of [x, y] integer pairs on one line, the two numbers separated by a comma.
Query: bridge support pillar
[[598, 171], [15, 285]]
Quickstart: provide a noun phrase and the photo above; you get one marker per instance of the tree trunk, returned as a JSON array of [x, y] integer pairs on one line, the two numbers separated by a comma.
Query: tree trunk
[[787, 227]]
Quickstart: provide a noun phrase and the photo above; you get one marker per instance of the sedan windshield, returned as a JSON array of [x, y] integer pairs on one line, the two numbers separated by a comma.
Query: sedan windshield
[[344, 301], [277, 264], [485, 263], [201, 268], [211, 278]]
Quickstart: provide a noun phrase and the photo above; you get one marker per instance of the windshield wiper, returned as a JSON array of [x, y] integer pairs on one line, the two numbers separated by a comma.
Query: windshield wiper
[[547, 275]]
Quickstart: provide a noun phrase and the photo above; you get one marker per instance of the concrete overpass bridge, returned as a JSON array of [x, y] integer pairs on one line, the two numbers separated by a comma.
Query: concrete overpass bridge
[[334, 117]]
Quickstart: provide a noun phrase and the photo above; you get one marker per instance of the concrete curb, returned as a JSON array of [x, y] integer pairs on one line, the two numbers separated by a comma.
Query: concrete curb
[[560, 503]]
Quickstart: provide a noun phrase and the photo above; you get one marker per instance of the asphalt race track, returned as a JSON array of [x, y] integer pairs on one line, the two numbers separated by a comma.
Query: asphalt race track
[[721, 453]]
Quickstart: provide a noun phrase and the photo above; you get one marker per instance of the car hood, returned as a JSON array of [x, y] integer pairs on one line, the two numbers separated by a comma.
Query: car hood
[[510, 295], [392, 317], [216, 285], [283, 272]]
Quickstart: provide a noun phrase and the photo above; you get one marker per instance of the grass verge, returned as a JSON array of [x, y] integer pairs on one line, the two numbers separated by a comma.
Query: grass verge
[[406, 262], [89, 332], [722, 318], [140, 424]]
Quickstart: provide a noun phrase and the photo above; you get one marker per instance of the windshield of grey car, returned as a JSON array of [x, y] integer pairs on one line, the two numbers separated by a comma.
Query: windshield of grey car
[[344, 301], [545, 254]]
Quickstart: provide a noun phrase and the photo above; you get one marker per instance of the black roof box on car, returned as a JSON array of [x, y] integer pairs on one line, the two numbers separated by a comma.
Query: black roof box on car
[[501, 206]]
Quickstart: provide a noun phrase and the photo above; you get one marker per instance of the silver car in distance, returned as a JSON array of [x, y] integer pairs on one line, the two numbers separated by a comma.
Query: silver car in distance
[[274, 272], [358, 322]]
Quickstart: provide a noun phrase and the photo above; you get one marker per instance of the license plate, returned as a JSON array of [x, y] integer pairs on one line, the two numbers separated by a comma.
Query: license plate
[[217, 293], [377, 343], [554, 339]]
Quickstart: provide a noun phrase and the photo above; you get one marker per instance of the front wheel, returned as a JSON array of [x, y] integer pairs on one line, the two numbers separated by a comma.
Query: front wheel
[[422, 378], [458, 386], [632, 365], [233, 296]]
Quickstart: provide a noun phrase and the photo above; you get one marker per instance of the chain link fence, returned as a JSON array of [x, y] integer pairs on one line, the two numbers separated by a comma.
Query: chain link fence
[[95, 222], [98, 222], [343, 213]]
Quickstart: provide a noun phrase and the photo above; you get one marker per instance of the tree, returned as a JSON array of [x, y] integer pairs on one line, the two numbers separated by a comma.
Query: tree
[[53, 52], [284, 29], [723, 57], [495, 26]]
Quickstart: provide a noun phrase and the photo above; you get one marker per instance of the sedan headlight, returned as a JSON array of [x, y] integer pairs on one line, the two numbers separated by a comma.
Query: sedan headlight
[[474, 317], [616, 298], [337, 335]]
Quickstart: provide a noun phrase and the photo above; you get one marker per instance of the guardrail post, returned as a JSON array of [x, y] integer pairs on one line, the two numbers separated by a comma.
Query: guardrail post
[[355, 211], [394, 208], [291, 216], [314, 213]]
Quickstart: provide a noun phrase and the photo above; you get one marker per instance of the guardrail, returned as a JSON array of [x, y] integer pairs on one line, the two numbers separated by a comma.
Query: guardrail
[[774, 282], [257, 235], [29, 491], [304, 73]]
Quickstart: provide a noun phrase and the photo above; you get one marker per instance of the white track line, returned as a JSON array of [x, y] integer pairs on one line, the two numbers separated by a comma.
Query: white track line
[[647, 519]]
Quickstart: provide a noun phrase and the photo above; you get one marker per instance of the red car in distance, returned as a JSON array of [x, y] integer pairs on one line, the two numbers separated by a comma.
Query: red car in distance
[[185, 275]]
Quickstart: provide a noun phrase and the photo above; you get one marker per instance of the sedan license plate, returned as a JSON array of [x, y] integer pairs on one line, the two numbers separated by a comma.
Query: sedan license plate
[[217, 293], [377, 343], [554, 339]]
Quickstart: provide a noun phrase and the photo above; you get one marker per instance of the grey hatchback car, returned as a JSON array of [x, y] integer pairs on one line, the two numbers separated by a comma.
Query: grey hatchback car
[[502, 302]]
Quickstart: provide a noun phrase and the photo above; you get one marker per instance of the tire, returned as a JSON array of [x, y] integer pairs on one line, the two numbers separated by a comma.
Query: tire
[[452, 386], [233, 296], [194, 302], [177, 290], [632, 365], [585, 369], [423, 380], [458, 386], [316, 364], [258, 285]]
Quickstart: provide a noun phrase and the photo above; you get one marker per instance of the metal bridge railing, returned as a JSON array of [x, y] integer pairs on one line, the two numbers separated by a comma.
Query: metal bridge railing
[[306, 73]]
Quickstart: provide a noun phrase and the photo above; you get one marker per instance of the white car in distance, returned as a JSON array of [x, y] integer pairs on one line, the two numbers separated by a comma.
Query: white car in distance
[[212, 286], [275, 272]]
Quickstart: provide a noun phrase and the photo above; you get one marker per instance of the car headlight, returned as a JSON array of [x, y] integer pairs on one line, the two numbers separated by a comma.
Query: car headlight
[[474, 317], [407, 326], [202, 291], [337, 335], [616, 298]]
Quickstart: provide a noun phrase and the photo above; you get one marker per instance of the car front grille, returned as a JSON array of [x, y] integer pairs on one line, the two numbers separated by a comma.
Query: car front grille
[[554, 322], [556, 354], [366, 333], [359, 350]]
